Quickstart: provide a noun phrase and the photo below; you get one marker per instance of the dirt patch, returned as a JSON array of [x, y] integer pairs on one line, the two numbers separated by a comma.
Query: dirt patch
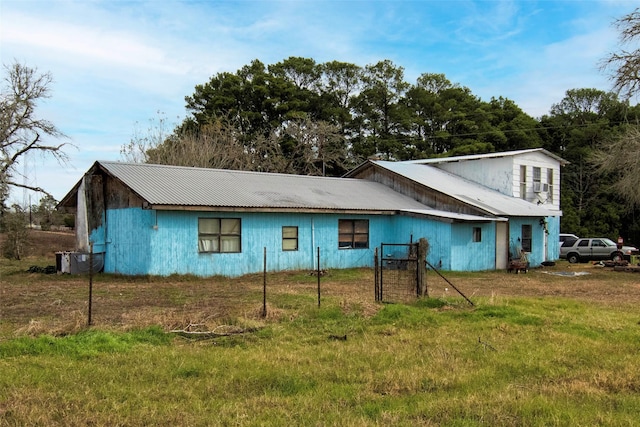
[[34, 303], [47, 243]]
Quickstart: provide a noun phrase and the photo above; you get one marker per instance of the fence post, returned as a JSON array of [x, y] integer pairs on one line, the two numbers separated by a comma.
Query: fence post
[[90, 282], [318, 273], [380, 287], [375, 275], [264, 284], [423, 249]]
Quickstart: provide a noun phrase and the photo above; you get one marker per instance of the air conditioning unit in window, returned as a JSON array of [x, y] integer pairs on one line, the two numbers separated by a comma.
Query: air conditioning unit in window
[[539, 187]]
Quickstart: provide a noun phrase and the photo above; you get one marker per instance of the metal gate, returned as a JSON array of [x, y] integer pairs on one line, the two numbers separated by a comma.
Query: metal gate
[[398, 273]]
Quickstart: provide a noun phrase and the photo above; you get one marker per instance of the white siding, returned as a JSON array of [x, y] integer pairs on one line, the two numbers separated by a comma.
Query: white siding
[[537, 159], [495, 173], [503, 174]]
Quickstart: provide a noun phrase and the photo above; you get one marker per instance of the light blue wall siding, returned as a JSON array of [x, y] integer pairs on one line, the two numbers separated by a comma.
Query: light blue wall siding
[[437, 233], [537, 255], [153, 242], [467, 255], [553, 225]]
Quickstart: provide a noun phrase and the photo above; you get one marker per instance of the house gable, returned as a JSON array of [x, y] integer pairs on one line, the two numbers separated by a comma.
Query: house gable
[[433, 198], [503, 172]]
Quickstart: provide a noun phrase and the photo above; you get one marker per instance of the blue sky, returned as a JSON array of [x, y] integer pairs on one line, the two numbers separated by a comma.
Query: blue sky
[[116, 64]]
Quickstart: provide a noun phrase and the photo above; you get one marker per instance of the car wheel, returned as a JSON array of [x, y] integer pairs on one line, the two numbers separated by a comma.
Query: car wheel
[[573, 258], [617, 256]]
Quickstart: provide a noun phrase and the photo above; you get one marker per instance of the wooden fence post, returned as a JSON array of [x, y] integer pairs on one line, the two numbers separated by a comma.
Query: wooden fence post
[[264, 284]]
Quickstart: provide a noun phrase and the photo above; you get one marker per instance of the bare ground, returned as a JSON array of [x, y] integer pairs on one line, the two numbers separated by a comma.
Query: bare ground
[[35, 303]]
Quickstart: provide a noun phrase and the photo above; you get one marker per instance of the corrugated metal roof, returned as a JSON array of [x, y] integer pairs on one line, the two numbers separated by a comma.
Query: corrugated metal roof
[[464, 190], [486, 156], [453, 215], [185, 186]]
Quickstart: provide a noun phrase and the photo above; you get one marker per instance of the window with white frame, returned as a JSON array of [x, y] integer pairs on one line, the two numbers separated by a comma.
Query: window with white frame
[[219, 235], [550, 185], [289, 238], [523, 182], [537, 179]]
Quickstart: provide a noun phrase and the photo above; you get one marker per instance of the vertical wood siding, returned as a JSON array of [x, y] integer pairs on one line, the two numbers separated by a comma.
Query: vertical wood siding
[[537, 254], [467, 255], [139, 241]]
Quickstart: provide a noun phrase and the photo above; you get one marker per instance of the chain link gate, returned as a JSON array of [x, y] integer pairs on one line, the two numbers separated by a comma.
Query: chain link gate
[[399, 274]]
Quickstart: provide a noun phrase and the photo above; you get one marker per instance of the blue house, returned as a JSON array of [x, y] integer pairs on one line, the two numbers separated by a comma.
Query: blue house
[[162, 220]]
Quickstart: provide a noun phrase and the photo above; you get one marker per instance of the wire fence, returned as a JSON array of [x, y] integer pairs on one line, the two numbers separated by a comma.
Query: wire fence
[[184, 301]]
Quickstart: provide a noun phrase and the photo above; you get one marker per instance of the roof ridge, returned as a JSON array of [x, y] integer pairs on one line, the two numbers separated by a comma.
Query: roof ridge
[[240, 171]]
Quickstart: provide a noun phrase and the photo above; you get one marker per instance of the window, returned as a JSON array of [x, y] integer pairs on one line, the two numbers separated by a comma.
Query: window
[[353, 233], [477, 234], [526, 237], [550, 185], [537, 179], [523, 182], [219, 234], [289, 238]]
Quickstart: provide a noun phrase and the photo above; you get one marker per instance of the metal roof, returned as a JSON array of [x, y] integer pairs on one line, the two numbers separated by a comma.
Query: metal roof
[[487, 156], [175, 186], [454, 216], [469, 192]]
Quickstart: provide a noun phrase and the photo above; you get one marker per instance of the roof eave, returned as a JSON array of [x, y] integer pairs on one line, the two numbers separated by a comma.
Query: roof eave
[[269, 209]]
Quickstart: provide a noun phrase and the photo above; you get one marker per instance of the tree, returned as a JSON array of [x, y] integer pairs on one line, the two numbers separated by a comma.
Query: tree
[[625, 64], [377, 106], [45, 213], [617, 158], [14, 245], [620, 159], [575, 128], [21, 131]]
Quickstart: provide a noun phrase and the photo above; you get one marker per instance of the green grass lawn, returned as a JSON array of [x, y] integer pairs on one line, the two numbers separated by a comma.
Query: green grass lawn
[[508, 361], [524, 362]]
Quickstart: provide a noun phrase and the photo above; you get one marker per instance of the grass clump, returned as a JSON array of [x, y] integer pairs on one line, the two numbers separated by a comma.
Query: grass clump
[[84, 344]]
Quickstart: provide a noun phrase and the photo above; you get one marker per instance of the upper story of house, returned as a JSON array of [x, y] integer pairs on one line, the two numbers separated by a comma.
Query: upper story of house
[[532, 175]]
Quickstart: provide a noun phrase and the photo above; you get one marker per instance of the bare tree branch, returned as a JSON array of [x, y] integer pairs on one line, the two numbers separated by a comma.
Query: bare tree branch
[[625, 64], [29, 187], [21, 131]]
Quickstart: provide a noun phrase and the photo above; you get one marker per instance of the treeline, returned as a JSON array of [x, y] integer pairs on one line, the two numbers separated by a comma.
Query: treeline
[[303, 117]]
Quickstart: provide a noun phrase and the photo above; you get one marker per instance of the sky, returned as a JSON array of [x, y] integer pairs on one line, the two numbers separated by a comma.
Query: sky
[[118, 66]]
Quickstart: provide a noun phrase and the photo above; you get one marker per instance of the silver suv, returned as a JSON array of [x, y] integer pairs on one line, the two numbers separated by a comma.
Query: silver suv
[[567, 239], [591, 249]]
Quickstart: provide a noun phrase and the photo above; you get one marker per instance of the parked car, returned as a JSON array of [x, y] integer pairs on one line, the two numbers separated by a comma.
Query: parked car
[[593, 249], [567, 239]]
